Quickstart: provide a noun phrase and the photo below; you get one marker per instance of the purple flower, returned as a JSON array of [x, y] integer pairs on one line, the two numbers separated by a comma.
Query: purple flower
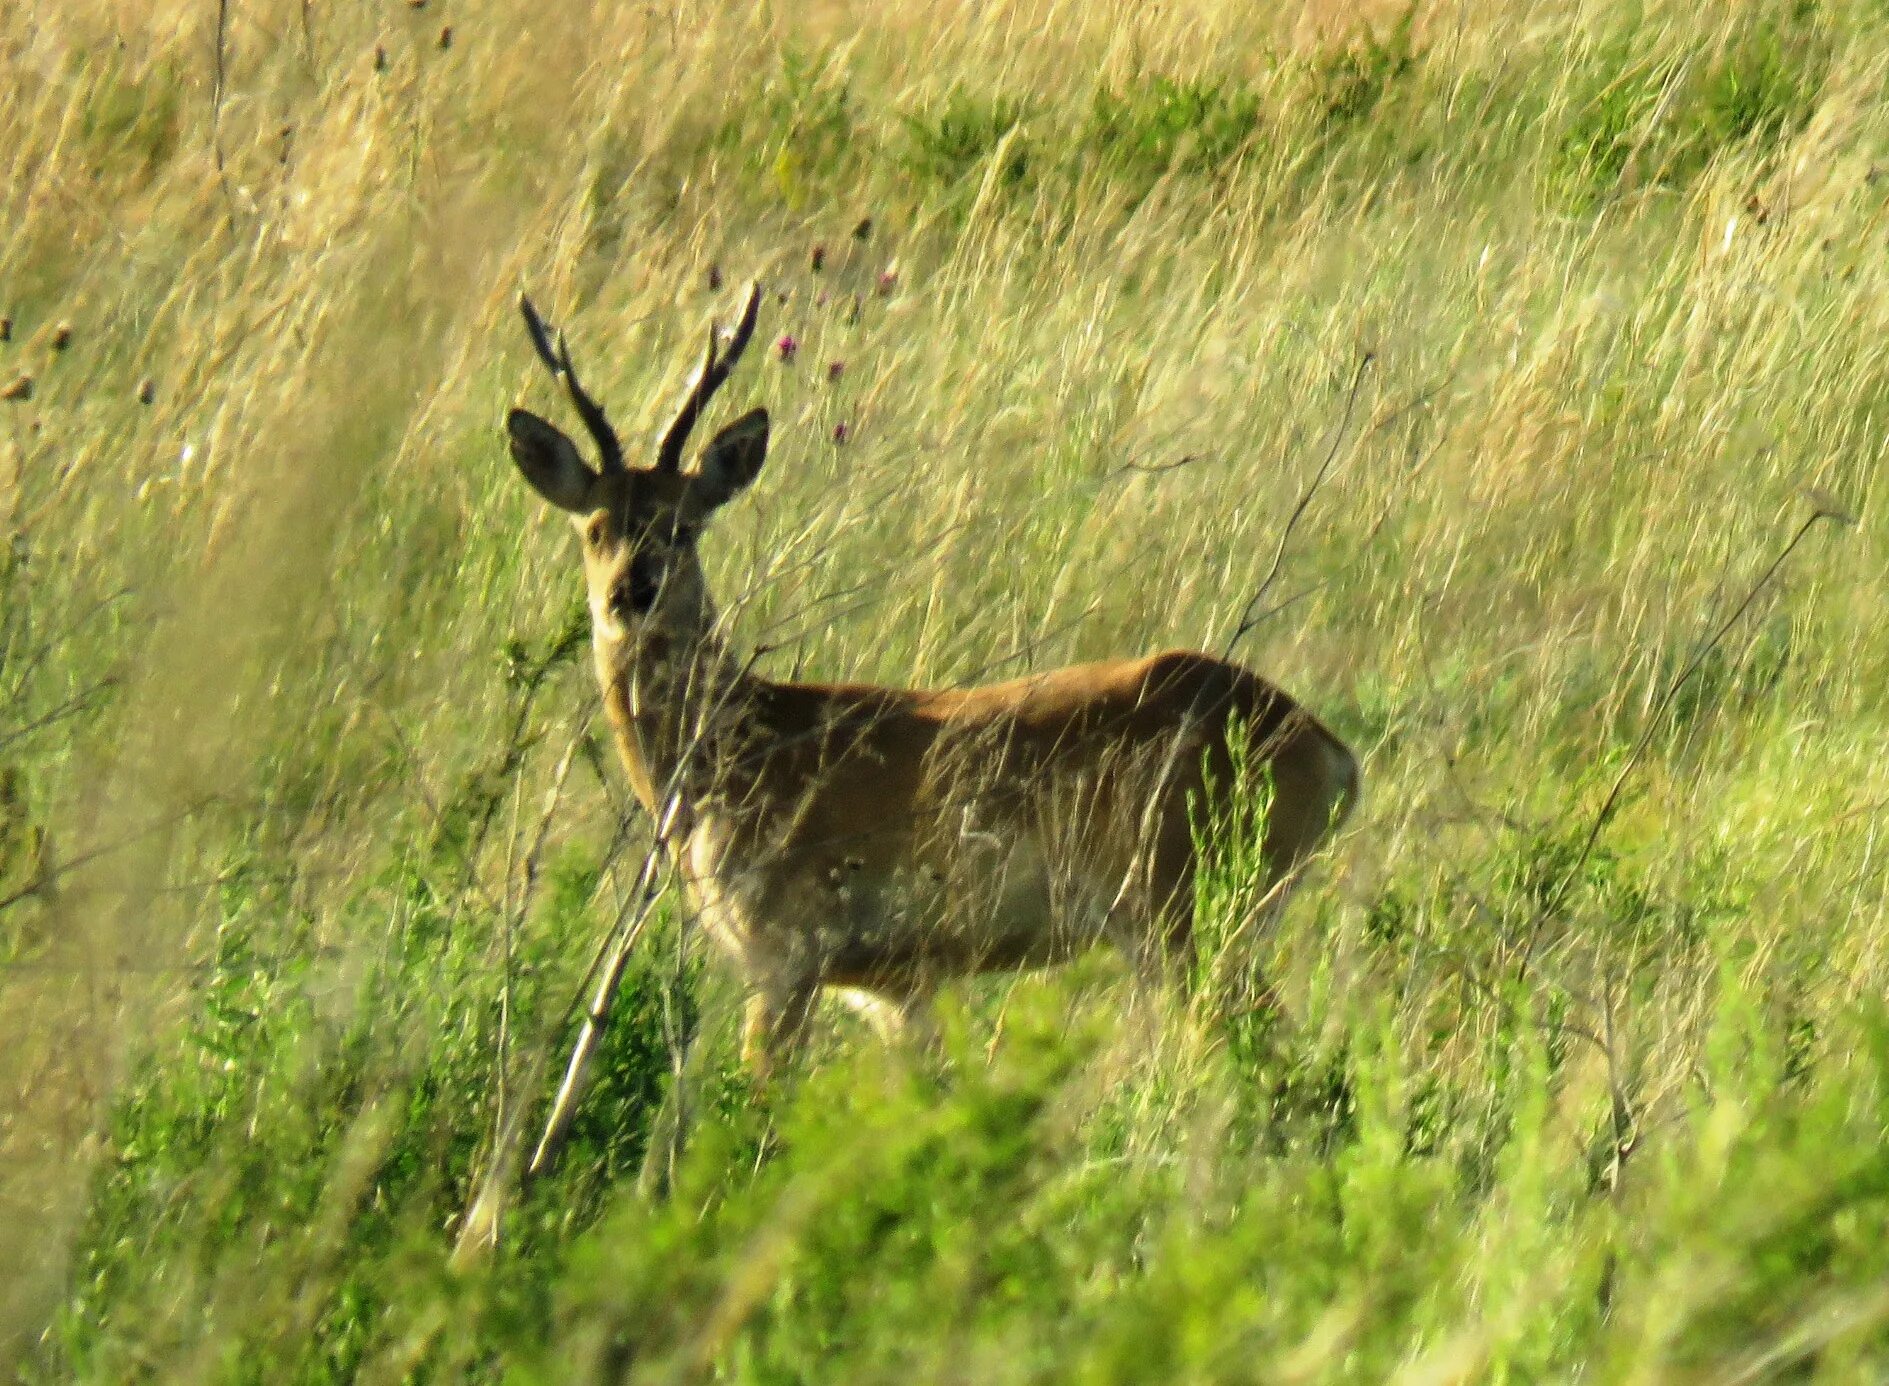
[[835, 369], [816, 259], [842, 431], [888, 281], [786, 346]]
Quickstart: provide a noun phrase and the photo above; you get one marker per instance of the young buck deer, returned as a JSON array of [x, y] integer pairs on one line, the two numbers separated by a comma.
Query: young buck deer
[[881, 840]]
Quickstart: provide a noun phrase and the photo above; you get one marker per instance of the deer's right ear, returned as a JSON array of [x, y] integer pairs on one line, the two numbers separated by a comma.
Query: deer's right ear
[[550, 462], [731, 461]]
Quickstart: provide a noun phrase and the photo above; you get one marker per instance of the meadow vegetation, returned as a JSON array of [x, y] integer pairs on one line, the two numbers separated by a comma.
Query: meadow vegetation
[[1575, 313]]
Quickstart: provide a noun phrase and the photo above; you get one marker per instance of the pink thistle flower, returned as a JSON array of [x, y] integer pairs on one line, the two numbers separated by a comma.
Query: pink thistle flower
[[888, 281], [786, 346], [835, 369], [842, 431]]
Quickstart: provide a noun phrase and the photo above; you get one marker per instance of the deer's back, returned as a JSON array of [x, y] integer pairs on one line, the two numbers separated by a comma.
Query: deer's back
[[989, 826]]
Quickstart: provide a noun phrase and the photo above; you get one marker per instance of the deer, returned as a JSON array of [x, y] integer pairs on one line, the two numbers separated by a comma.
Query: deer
[[878, 842]]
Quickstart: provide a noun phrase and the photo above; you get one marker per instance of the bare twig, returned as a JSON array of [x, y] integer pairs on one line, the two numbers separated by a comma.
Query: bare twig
[[70, 708], [59, 639], [602, 979], [480, 1230], [51, 875], [564, 1105], [1654, 719], [1259, 618], [217, 89], [514, 914], [607, 968], [1247, 617], [1023, 652], [1157, 468]]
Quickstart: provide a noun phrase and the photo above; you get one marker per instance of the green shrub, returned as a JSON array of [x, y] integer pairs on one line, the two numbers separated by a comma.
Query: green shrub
[[1673, 114], [132, 122], [1159, 125], [958, 135], [1348, 83]]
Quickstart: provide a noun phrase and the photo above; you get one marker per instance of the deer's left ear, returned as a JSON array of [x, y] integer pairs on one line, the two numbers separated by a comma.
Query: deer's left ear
[[731, 461]]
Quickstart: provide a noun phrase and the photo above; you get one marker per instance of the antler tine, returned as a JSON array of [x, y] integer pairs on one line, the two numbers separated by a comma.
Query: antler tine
[[744, 325], [708, 378], [591, 412], [558, 359], [540, 334]]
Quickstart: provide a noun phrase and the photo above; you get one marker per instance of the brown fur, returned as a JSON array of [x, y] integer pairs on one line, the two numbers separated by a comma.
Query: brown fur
[[882, 840]]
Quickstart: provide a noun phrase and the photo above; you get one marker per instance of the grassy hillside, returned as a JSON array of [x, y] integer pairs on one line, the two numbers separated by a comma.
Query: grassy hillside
[[1556, 325]]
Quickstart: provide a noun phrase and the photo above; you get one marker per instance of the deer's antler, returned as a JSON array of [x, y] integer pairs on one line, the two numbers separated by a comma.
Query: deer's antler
[[558, 359], [716, 364]]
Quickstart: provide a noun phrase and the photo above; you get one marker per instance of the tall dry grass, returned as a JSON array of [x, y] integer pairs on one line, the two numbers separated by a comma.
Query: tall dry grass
[[286, 689]]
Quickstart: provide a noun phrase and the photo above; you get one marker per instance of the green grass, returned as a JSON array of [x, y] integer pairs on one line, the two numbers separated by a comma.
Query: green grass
[[308, 830]]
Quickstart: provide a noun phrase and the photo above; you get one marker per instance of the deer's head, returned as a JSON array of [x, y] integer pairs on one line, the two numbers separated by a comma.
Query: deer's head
[[639, 524]]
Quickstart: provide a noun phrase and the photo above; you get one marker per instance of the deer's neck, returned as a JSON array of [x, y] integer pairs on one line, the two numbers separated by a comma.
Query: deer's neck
[[676, 703]]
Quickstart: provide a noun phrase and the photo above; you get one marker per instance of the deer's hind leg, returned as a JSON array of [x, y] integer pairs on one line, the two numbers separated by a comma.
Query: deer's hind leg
[[891, 1017], [774, 1024]]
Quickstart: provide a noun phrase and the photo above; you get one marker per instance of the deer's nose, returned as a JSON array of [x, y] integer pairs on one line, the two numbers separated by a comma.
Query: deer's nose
[[637, 589]]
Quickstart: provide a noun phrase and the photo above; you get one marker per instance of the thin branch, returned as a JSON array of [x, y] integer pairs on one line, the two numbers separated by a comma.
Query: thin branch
[[643, 897], [216, 104], [514, 916], [1611, 804], [70, 708], [480, 1229], [1023, 652], [50, 875], [1376, 528], [1247, 617], [58, 639], [479, 1232], [1157, 468]]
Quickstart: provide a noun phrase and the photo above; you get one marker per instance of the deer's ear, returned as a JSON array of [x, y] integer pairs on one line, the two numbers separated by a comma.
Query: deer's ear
[[731, 461], [550, 462]]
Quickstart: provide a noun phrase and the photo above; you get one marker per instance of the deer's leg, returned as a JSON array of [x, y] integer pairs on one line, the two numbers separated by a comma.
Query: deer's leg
[[774, 1025], [885, 1014], [896, 1017]]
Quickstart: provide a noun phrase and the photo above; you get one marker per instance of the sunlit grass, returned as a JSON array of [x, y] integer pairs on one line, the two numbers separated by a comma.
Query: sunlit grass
[[288, 679]]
